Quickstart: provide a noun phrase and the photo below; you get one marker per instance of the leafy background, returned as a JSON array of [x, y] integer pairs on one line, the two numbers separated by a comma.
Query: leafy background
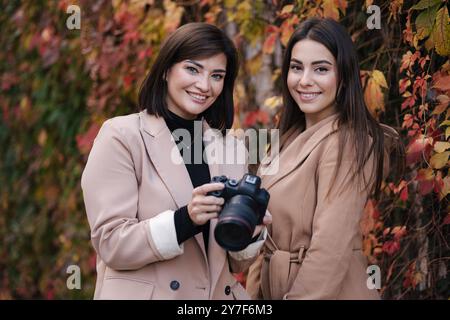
[[57, 86]]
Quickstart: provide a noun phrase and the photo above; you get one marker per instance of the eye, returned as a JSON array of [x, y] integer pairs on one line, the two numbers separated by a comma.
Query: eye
[[295, 67], [191, 70], [218, 76], [322, 69]]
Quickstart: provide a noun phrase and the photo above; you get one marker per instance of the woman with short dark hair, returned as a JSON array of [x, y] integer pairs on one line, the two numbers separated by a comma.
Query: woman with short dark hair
[[146, 182]]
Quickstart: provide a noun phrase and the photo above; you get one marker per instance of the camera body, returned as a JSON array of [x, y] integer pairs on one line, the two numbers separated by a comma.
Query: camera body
[[245, 206]]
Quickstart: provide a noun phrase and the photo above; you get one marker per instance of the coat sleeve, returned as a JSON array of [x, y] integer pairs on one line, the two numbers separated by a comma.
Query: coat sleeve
[[110, 191], [335, 227]]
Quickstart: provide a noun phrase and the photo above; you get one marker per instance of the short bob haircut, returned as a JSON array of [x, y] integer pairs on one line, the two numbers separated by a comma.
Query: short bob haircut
[[192, 41]]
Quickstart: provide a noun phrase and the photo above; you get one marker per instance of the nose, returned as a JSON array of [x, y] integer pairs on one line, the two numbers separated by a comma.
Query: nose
[[203, 83], [305, 79]]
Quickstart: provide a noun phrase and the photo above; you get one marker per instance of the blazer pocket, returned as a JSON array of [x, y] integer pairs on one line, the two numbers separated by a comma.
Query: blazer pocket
[[126, 289]]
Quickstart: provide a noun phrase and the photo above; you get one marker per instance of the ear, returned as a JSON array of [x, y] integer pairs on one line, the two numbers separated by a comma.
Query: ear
[[166, 74]]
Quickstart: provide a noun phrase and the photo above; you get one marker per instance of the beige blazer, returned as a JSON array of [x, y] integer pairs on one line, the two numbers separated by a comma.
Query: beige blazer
[[316, 248], [132, 186]]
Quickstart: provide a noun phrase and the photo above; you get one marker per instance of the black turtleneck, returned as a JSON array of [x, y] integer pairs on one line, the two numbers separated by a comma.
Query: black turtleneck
[[199, 174]]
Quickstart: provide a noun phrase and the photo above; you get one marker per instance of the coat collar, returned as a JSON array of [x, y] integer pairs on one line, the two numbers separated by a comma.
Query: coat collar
[[297, 151]]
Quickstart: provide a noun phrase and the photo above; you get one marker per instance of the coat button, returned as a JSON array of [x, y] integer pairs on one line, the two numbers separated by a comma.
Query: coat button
[[227, 290], [174, 285]]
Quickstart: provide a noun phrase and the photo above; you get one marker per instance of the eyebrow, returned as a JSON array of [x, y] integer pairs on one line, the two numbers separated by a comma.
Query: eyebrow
[[314, 62], [202, 67]]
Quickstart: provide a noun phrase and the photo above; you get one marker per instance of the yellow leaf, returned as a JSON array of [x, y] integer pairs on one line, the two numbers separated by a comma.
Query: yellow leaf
[[42, 138], [441, 32], [273, 102], [446, 188], [429, 44], [374, 97], [440, 146], [330, 10], [254, 64], [447, 133], [425, 174], [379, 78], [287, 9], [439, 160], [443, 103], [230, 3]]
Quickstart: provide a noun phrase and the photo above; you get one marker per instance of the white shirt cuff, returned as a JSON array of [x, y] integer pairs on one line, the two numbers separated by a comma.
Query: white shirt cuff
[[252, 249], [164, 235]]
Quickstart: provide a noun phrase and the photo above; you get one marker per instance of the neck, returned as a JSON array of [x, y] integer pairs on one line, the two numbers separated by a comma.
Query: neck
[[183, 115]]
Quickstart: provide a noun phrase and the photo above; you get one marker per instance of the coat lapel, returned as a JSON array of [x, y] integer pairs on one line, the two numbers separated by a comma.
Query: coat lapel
[[214, 142], [166, 158], [297, 151]]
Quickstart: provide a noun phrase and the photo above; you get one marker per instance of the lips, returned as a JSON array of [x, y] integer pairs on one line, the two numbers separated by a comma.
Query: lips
[[308, 96], [197, 96]]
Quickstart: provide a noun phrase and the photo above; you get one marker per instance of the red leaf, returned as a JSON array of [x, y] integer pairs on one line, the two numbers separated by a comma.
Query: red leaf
[[269, 44], [127, 81], [404, 194], [447, 219], [425, 187], [250, 119], [441, 82], [418, 148], [85, 141], [408, 120], [409, 102], [391, 247]]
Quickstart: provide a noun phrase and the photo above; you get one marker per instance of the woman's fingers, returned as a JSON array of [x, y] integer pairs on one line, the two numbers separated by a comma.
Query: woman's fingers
[[208, 187], [213, 200], [202, 218], [208, 209], [267, 218]]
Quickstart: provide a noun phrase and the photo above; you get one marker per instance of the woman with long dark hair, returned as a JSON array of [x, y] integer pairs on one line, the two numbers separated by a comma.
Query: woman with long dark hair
[[146, 182], [333, 156]]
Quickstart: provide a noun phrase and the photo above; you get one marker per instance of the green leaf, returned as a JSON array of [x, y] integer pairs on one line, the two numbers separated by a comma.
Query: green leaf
[[426, 4], [441, 32], [425, 21]]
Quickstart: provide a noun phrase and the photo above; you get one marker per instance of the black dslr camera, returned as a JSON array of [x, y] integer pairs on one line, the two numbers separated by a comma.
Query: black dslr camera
[[244, 209]]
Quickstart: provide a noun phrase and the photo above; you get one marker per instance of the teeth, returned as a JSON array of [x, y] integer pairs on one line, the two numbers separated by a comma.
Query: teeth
[[309, 95], [197, 96]]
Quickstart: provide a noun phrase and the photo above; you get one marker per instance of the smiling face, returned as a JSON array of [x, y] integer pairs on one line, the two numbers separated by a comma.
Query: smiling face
[[312, 80], [193, 85]]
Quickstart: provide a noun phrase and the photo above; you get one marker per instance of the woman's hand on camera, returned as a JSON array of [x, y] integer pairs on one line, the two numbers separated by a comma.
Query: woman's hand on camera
[[266, 221], [202, 207]]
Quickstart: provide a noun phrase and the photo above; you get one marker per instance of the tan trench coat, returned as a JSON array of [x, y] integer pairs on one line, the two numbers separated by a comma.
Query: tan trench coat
[[316, 248]]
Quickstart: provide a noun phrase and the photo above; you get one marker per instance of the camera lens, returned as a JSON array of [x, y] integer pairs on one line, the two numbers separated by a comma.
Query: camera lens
[[237, 223]]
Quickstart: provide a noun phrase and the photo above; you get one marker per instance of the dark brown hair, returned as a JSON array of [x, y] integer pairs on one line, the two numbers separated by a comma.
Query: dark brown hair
[[192, 41], [353, 113]]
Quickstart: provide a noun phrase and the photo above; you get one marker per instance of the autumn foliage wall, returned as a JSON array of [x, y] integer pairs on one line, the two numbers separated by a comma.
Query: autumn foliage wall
[[57, 86]]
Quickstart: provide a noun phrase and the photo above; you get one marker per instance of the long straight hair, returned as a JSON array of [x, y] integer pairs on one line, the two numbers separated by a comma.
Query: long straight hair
[[353, 113], [192, 41]]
